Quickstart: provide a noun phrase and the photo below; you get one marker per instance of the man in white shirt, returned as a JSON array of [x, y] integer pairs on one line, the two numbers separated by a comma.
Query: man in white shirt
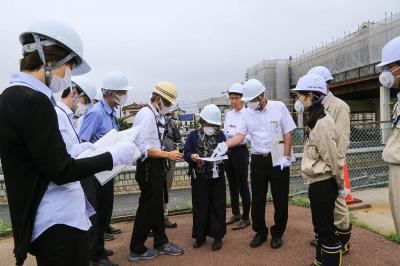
[[237, 165], [150, 175], [269, 125]]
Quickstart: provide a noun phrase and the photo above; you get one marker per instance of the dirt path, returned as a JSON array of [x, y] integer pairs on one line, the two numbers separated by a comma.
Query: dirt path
[[367, 248]]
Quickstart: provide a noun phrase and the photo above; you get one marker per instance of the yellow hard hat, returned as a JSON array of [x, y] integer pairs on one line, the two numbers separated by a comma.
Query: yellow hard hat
[[167, 90]]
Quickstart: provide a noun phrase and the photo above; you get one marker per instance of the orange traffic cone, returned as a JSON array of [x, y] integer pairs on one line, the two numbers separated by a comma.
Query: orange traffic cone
[[349, 198]]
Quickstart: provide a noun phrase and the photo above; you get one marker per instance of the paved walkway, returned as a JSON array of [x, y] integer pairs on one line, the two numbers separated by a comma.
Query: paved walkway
[[379, 216], [367, 248]]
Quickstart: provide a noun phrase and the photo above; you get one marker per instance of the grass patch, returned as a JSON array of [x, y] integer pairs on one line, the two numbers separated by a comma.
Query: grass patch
[[392, 236], [300, 201], [4, 227]]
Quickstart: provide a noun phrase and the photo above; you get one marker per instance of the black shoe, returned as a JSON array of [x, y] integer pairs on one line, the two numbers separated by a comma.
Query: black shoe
[[198, 243], [108, 237], [217, 244], [169, 224], [242, 224], [276, 242], [233, 219], [108, 252], [103, 262], [149, 254], [112, 230], [258, 239]]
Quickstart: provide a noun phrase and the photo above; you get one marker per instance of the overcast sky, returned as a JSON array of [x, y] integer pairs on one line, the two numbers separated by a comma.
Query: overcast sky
[[200, 46]]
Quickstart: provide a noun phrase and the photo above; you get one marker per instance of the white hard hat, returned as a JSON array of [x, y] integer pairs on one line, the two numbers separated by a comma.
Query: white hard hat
[[251, 89], [87, 86], [311, 82], [211, 114], [99, 95], [52, 32], [115, 81], [236, 88], [390, 52], [321, 71]]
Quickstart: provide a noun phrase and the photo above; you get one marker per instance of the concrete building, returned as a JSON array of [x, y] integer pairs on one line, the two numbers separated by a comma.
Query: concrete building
[[352, 61]]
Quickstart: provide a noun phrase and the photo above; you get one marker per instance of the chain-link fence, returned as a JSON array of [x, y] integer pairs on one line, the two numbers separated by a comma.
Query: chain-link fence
[[364, 157]]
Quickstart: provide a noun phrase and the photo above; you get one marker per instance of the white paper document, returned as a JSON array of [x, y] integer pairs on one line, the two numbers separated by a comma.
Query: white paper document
[[105, 143], [214, 159]]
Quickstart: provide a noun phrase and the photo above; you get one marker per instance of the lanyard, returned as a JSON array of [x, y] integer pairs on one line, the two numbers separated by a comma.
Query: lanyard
[[76, 134], [113, 118], [155, 118]]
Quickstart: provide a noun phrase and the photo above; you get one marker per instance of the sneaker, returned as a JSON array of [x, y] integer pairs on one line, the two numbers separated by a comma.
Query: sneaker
[[170, 249], [169, 224], [151, 253], [242, 224], [233, 219]]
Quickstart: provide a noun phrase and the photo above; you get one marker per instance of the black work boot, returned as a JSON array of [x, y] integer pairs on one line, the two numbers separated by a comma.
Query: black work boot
[[344, 237], [331, 255]]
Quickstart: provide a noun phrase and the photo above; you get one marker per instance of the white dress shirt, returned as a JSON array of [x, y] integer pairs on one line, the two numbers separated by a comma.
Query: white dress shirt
[[66, 204], [262, 126], [232, 123], [147, 137]]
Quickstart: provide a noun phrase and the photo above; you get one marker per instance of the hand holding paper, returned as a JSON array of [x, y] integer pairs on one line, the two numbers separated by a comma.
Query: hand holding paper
[[220, 150]]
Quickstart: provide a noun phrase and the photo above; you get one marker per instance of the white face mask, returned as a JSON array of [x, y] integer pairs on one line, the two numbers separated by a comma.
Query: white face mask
[[386, 78], [121, 99], [164, 109], [253, 105], [209, 131], [298, 106], [58, 84], [81, 109]]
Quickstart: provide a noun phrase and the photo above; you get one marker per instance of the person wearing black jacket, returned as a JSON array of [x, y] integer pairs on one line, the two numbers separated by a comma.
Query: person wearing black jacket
[[34, 156], [207, 179]]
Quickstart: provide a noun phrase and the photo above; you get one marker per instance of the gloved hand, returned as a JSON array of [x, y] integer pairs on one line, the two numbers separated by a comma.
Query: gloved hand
[[343, 192], [220, 150], [77, 149], [123, 153], [285, 162]]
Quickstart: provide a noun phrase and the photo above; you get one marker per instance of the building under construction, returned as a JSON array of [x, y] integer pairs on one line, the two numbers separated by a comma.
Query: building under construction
[[352, 61]]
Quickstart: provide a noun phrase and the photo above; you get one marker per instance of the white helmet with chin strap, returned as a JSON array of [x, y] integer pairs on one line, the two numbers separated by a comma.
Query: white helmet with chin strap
[[251, 89], [211, 114], [86, 85], [50, 32], [311, 82], [236, 88], [115, 81], [321, 71]]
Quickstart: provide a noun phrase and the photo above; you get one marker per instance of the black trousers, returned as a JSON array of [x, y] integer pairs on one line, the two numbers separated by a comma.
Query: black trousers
[[150, 213], [61, 245], [107, 203], [92, 189], [209, 207], [236, 168], [261, 173], [322, 195]]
